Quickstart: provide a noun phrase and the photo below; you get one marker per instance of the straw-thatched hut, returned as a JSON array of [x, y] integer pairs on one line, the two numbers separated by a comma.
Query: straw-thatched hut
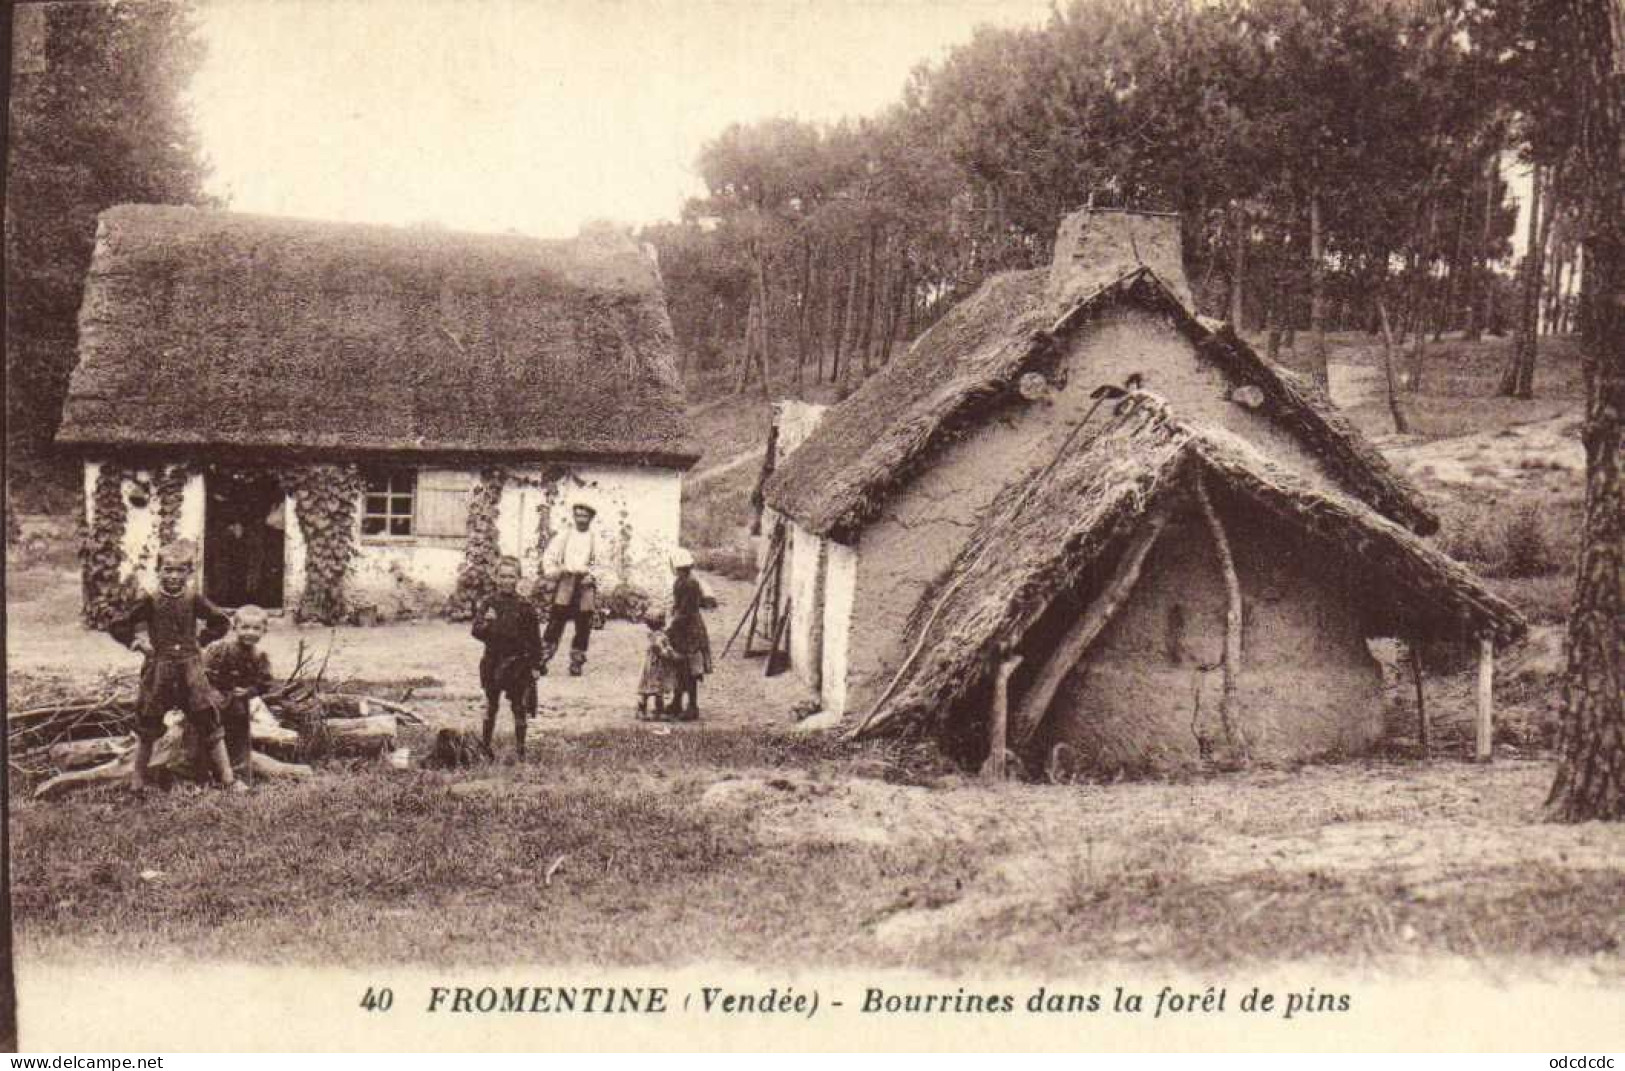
[[990, 530], [427, 398]]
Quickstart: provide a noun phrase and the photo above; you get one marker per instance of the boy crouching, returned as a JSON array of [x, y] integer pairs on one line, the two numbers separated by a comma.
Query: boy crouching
[[511, 631], [240, 672], [172, 676]]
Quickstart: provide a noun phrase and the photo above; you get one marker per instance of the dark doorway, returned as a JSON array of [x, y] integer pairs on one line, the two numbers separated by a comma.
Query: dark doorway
[[244, 525]]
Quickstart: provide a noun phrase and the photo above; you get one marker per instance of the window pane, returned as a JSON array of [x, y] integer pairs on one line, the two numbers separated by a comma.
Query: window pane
[[378, 483], [401, 505], [400, 526], [372, 525], [377, 504]]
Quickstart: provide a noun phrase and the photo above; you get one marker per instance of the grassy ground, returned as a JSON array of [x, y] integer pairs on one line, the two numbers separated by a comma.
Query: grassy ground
[[813, 856]]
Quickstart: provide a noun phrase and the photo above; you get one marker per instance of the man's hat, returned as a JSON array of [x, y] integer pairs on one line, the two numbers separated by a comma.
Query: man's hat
[[583, 506], [681, 559]]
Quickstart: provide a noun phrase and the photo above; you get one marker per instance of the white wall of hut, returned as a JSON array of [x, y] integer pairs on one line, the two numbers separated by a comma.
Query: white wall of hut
[[637, 524]]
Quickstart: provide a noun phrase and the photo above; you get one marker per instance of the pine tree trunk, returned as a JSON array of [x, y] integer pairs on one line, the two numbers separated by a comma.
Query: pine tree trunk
[[850, 319], [1455, 269], [761, 324], [832, 315], [1317, 362], [1238, 266], [899, 305], [1272, 327], [1479, 290], [1590, 781], [749, 342], [871, 291], [1401, 425], [1513, 376], [803, 295]]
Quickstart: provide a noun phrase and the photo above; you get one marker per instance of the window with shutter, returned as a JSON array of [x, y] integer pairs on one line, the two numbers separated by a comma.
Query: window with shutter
[[386, 510], [442, 502]]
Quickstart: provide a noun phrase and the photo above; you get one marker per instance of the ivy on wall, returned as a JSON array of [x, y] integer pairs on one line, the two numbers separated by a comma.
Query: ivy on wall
[[480, 545], [171, 488], [325, 499], [101, 551]]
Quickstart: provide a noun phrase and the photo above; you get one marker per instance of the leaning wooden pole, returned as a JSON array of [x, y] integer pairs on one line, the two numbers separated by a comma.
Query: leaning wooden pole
[[1232, 618], [775, 554], [1029, 714], [1486, 699]]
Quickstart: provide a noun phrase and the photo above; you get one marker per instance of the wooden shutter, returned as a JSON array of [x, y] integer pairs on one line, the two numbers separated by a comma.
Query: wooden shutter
[[442, 502]]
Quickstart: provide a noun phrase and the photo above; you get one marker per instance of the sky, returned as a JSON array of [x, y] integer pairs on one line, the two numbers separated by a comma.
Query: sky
[[533, 115]]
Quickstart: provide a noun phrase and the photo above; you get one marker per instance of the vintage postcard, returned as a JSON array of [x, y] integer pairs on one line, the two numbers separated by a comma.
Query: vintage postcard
[[549, 524]]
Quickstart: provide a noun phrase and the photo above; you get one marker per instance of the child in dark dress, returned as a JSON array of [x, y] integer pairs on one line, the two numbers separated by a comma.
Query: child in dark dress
[[688, 637], [172, 676], [512, 633]]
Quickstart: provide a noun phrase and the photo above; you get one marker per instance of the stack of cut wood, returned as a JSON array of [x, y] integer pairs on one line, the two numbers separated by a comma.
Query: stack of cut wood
[[70, 740]]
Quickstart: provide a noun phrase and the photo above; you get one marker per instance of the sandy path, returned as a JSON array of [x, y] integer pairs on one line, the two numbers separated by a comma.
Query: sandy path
[[44, 638], [697, 480]]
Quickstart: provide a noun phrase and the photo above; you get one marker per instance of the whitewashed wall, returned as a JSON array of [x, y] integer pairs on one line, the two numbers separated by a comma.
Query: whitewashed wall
[[840, 590], [801, 590], [637, 525], [141, 523], [639, 510]]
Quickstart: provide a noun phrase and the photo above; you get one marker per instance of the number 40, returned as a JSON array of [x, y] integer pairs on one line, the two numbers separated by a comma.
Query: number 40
[[379, 1000]]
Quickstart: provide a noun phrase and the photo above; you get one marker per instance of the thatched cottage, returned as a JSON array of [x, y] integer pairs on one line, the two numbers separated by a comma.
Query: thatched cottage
[[369, 411], [1075, 513]]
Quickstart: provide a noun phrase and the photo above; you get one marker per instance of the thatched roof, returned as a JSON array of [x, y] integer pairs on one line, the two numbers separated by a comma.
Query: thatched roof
[[1053, 527], [971, 361], [205, 329]]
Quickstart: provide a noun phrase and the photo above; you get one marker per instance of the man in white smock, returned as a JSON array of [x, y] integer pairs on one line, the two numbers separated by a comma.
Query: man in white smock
[[571, 560]]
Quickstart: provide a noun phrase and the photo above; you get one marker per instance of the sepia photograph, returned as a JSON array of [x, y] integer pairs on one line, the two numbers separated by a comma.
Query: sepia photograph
[[543, 525]]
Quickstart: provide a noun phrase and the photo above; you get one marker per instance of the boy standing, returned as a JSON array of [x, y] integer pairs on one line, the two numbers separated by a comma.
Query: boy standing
[[172, 675], [511, 632], [239, 671], [572, 557]]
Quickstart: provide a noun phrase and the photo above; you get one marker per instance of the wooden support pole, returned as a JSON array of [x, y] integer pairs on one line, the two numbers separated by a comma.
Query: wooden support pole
[[1231, 663], [1486, 697], [1030, 713], [1422, 727], [999, 721]]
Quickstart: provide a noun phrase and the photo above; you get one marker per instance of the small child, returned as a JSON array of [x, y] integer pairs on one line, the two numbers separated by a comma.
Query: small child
[[659, 669], [240, 672], [172, 675], [512, 633]]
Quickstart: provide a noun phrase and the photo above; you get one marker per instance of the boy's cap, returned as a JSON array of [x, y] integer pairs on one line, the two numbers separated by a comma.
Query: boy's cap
[[509, 559], [251, 613], [183, 551], [681, 559]]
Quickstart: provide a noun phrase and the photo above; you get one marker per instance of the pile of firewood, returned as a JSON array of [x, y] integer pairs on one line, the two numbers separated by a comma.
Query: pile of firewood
[[66, 739]]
